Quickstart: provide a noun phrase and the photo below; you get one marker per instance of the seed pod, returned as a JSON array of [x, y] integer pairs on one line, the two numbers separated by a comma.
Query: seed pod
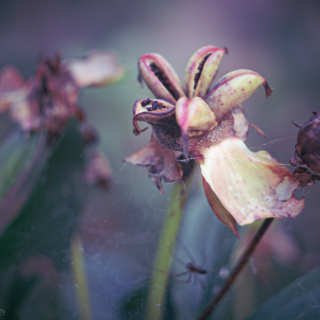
[[201, 69], [160, 77], [194, 116], [232, 89], [153, 111], [308, 144]]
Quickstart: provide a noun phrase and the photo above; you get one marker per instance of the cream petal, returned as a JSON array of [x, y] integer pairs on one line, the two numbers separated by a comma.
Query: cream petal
[[251, 186]]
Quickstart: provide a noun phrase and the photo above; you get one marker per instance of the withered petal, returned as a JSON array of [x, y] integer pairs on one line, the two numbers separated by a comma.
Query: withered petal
[[251, 186], [161, 162]]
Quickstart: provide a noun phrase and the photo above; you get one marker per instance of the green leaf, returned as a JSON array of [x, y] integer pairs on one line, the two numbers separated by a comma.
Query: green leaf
[[21, 162], [298, 300], [47, 221]]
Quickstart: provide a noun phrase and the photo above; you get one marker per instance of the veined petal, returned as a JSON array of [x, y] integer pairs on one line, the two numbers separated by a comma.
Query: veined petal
[[160, 77], [161, 162], [232, 89], [201, 69], [251, 186], [99, 68]]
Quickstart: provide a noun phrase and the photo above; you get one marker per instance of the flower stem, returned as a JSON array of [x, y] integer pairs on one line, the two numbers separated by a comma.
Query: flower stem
[[237, 269], [80, 278], [166, 245]]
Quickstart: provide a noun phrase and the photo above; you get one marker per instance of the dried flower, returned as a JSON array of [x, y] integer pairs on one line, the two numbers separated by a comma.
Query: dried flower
[[48, 100], [205, 122]]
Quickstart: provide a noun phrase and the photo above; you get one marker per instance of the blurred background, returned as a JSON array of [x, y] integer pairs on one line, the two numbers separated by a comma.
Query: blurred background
[[119, 228]]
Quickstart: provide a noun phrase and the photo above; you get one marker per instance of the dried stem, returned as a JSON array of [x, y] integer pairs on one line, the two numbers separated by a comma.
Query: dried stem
[[238, 268], [165, 248]]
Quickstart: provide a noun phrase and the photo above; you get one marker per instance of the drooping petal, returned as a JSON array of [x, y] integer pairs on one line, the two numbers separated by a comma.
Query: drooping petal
[[219, 210], [160, 77], [201, 69], [98, 68], [161, 162], [251, 186], [232, 89]]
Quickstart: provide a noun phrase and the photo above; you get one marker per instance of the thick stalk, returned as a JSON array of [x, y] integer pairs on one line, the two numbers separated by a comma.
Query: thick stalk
[[166, 245], [80, 278], [237, 269]]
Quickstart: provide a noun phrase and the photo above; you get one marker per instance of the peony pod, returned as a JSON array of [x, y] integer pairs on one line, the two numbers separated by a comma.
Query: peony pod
[[160, 77], [201, 69], [232, 89]]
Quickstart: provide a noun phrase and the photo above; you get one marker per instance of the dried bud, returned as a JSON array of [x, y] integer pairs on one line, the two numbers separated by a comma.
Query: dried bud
[[232, 89], [160, 77], [201, 69], [308, 145]]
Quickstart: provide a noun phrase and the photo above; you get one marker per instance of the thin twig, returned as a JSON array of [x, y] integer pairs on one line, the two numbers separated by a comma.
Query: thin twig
[[238, 268]]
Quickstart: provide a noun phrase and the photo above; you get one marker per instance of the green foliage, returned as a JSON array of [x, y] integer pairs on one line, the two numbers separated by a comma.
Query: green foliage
[[47, 221], [298, 300]]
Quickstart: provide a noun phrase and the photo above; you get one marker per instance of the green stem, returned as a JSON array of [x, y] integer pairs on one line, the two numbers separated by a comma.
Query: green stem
[[80, 278], [166, 245]]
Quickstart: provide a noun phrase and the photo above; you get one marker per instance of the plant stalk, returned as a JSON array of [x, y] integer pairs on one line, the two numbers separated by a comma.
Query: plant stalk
[[156, 304], [237, 269], [80, 278]]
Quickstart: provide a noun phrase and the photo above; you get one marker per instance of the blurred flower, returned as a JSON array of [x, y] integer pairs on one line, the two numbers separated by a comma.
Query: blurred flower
[[48, 100], [98, 171], [205, 122]]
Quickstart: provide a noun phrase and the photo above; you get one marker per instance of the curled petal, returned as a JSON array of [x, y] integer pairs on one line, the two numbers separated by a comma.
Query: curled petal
[[98, 68], [201, 69], [153, 111], [161, 162], [160, 77], [251, 186], [232, 89]]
